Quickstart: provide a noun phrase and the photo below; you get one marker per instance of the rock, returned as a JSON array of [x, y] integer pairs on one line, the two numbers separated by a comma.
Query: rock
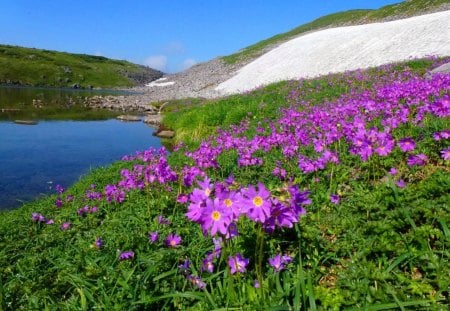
[[165, 134], [153, 120], [443, 69], [26, 122], [127, 117]]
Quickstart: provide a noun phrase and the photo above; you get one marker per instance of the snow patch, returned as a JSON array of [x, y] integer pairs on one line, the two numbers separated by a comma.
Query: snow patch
[[160, 83], [345, 48]]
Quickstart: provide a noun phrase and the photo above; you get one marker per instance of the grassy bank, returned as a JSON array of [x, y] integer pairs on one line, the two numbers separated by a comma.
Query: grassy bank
[[353, 17], [323, 194], [37, 67]]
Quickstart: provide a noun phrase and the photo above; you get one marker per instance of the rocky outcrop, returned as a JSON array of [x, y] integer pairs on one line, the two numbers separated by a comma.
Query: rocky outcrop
[[146, 75]]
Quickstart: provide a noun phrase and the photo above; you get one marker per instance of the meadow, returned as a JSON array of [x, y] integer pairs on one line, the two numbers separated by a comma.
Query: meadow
[[318, 194], [38, 67]]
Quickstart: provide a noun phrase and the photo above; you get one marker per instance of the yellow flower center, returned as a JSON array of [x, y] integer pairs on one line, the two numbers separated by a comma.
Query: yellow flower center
[[207, 192], [228, 202], [258, 201], [216, 215], [173, 243]]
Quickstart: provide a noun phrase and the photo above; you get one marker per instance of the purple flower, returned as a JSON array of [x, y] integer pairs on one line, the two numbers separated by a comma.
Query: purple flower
[[279, 261], [406, 144], [256, 203], [256, 284], [445, 134], [128, 255], [98, 243], [37, 217], [334, 198], [196, 281], [172, 240], [215, 218], [49, 222], [276, 263], [237, 263], [59, 188], [153, 237], [83, 211], [58, 202], [206, 186], [418, 160], [207, 263], [65, 226], [393, 171], [445, 154], [163, 221], [298, 199], [185, 265], [182, 198], [401, 183], [232, 231], [281, 216], [114, 194]]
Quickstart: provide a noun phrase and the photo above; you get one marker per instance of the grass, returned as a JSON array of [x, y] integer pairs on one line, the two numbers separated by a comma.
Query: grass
[[382, 247], [36, 67], [352, 17]]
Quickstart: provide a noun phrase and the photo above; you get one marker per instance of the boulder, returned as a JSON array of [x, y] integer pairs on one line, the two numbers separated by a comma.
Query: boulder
[[165, 134], [153, 120], [26, 122], [127, 117], [441, 69]]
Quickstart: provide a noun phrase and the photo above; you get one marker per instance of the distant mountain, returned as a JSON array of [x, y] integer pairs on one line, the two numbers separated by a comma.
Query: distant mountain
[[36, 67]]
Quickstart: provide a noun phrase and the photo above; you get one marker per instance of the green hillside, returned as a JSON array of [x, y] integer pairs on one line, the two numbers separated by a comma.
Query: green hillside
[[352, 17], [36, 67]]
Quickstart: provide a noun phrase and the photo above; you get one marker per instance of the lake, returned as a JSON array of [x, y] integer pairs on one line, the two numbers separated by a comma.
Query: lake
[[58, 150]]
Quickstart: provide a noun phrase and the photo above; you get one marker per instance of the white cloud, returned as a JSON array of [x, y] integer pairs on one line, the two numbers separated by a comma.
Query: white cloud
[[98, 53], [158, 62], [187, 63]]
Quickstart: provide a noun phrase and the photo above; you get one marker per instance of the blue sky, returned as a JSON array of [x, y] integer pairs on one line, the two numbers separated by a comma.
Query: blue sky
[[169, 35]]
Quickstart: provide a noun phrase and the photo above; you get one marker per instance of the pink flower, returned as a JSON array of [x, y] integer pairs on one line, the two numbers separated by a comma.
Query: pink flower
[[173, 240], [65, 226]]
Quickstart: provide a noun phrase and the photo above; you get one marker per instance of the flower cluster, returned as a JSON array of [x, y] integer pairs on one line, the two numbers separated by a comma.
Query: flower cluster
[[217, 207]]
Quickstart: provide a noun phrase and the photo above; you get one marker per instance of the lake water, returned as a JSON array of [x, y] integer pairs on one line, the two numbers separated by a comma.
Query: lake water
[[34, 158]]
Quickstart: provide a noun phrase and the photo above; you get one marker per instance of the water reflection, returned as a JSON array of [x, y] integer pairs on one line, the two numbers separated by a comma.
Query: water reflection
[[34, 158]]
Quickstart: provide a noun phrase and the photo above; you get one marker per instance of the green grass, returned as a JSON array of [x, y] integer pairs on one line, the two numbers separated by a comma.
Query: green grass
[[36, 67], [352, 17]]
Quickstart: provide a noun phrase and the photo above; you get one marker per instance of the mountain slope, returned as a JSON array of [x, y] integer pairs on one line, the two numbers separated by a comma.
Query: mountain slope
[[202, 79], [36, 67], [346, 48], [352, 17]]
